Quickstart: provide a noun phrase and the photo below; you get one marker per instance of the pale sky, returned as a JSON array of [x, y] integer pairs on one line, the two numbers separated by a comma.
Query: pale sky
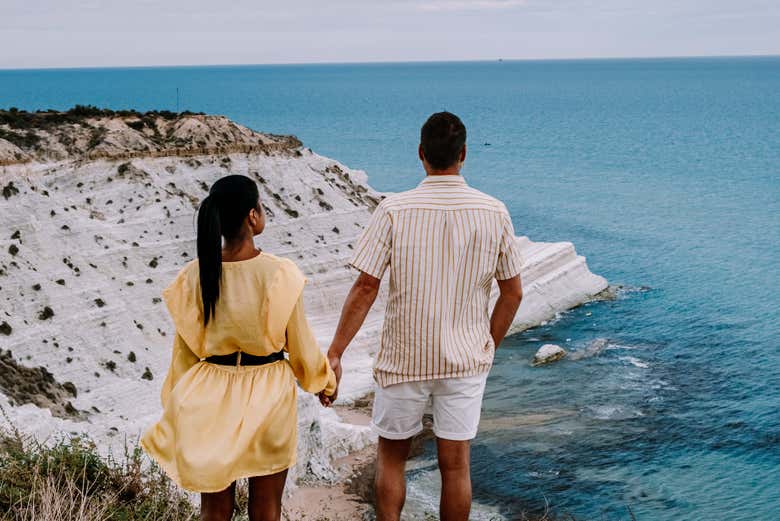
[[79, 33]]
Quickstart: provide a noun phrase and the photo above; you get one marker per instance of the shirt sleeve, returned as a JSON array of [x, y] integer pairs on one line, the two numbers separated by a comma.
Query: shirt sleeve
[[372, 251], [182, 358], [310, 366], [509, 258]]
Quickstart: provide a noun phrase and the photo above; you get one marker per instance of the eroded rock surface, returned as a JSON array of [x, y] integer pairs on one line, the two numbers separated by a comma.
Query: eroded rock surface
[[36, 385]]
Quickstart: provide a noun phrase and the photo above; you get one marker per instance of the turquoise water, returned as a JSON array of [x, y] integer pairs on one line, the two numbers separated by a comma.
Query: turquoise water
[[664, 173]]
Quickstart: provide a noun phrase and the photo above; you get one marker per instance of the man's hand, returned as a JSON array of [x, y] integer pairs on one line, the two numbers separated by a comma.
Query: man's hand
[[509, 298], [335, 363], [358, 302], [334, 360]]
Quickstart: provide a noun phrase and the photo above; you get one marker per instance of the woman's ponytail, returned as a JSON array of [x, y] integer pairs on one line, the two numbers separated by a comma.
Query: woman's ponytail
[[221, 214], [209, 255]]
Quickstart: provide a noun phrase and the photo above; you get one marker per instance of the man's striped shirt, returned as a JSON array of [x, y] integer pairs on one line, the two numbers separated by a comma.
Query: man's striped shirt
[[444, 243]]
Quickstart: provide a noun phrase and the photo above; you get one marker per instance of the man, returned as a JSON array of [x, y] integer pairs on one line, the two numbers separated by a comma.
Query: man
[[444, 243]]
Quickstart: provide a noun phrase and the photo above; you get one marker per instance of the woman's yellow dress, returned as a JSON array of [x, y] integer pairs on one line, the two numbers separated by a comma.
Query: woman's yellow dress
[[219, 422]]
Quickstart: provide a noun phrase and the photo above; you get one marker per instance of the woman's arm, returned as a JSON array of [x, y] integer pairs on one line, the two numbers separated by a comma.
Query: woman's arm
[[182, 359], [309, 365]]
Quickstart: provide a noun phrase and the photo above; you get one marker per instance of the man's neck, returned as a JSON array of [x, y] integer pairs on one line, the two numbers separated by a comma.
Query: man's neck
[[451, 171]]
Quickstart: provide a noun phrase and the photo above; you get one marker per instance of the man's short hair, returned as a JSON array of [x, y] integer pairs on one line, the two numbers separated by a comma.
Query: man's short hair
[[442, 139]]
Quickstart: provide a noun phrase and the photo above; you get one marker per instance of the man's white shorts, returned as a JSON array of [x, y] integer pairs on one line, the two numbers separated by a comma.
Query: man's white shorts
[[456, 405]]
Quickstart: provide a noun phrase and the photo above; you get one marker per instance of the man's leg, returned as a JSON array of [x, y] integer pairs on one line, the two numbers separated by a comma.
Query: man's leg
[[457, 407], [454, 457], [396, 418], [390, 478]]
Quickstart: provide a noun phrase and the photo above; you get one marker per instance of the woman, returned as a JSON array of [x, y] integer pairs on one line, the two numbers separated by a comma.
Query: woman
[[229, 399]]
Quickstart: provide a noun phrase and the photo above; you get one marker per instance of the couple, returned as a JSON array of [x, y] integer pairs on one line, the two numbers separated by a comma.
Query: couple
[[229, 399]]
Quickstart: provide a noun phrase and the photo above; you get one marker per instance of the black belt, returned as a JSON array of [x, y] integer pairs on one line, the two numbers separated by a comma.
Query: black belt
[[246, 359]]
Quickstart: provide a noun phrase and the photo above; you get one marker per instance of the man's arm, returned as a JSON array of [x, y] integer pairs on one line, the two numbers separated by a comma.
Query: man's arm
[[511, 294], [356, 306]]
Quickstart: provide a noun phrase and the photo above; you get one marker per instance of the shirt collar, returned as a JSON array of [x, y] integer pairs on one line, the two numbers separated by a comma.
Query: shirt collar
[[438, 179]]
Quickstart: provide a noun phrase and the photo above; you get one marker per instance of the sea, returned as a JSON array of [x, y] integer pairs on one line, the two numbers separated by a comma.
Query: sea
[[664, 173]]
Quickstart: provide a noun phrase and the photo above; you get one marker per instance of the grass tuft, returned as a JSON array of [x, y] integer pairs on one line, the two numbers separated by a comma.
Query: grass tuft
[[70, 480]]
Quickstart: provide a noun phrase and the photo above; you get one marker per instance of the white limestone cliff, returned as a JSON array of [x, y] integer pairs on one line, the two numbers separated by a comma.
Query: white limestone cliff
[[88, 240]]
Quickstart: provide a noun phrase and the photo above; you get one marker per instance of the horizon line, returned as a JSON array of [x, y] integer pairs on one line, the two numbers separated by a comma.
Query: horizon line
[[393, 62]]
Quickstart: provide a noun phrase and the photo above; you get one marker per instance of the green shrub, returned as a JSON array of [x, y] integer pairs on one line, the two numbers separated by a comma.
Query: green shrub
[[26, 140], [44, 119], [137, 125], [96, 136]]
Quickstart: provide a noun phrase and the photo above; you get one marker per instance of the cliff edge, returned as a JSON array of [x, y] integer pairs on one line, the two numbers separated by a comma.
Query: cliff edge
[[86, 132]]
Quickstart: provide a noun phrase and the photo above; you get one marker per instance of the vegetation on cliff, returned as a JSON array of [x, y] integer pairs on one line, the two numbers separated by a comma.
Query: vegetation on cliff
[[79, 114], [88, 132], [69, 480]]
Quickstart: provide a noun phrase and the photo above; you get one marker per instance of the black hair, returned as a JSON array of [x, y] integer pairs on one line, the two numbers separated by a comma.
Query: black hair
[[442, 138], [220, 214]]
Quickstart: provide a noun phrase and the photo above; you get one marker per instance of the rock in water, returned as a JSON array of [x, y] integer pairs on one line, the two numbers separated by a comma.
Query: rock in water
[[548, 353]]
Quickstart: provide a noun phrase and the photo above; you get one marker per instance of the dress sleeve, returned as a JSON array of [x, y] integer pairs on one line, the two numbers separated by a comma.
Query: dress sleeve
[[310, 366], [185, 308], [287, 325], [182, 359]]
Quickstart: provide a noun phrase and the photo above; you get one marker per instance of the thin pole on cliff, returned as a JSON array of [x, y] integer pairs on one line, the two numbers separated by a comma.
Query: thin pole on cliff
[[177, 100]]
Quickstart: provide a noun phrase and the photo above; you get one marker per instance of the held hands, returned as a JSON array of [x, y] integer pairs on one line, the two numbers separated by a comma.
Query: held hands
[[335, 363]]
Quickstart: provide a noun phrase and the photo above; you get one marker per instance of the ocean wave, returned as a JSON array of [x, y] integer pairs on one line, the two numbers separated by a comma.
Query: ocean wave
[[618, 292], [544, 474], [615, 347], [636, 362], [599, 345], [614, 412], [557, 317], [422, 500], [594, 348]]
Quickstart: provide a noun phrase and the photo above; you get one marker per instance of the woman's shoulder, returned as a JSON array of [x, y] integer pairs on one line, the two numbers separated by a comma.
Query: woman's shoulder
[[272, 266], [280, 262], [283, 269], [188, 270], [186, 276]]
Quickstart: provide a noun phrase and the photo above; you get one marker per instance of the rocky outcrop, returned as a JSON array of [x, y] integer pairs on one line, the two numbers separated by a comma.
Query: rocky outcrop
[[91, 133], [88, 240], [10, 153], [548, 353]]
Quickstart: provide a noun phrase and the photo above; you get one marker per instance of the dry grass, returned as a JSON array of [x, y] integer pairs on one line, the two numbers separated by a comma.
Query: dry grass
[[69, 480]]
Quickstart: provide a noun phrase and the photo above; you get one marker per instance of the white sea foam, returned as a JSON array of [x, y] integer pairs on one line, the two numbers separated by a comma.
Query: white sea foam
[[616, 347], [594, 348], [422, 500], [614, 412], [636, 362]]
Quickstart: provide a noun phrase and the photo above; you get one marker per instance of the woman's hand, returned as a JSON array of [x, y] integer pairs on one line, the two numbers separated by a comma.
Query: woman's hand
[[326, 400]]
